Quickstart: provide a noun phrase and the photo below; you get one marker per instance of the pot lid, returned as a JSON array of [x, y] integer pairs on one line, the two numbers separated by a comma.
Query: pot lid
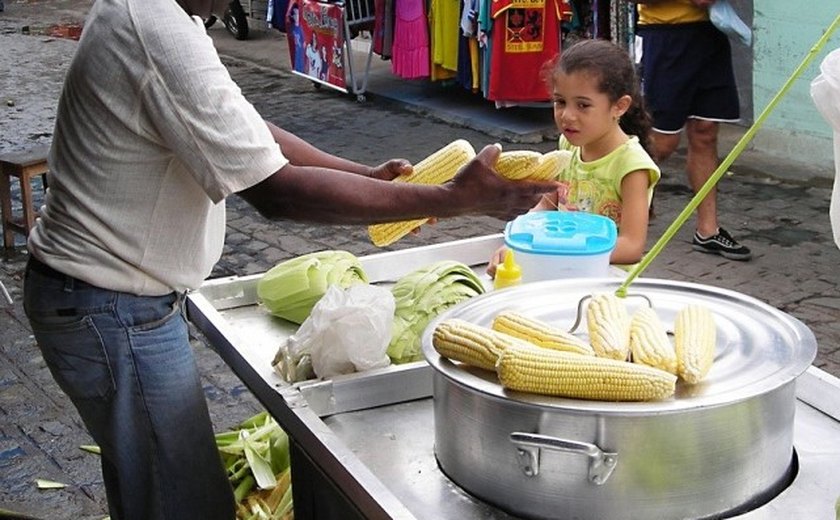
[[759, 348], [561, 233]]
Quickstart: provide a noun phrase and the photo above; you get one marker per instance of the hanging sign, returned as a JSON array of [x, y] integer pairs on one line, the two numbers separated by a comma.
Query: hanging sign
[[315, 31]]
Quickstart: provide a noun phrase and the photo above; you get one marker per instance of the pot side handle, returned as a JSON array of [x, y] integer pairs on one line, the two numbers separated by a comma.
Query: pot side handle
[[528, 446]]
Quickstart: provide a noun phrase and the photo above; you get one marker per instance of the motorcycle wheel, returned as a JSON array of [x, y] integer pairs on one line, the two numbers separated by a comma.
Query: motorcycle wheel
[[236, 22]]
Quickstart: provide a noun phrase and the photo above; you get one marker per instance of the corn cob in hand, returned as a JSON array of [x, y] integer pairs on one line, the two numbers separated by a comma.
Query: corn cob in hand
[[609, 326], [437, 168], [564, 374], [649, 343], [539, 333], [517, 164], [531, 165], [694, 342]]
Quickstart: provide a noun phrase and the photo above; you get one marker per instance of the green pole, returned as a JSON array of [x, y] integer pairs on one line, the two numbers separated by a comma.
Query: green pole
[[725, 164]]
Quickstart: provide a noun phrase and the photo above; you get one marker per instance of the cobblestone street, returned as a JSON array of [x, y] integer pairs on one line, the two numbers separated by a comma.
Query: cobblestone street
[[785, 223]]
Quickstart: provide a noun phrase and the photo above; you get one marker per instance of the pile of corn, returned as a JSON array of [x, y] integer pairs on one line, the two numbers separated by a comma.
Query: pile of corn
[[627, 358], [443, 165]]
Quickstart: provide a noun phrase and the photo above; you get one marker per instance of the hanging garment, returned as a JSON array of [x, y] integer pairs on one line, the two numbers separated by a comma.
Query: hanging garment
[[445, 21], [525, 34], [383, 28], [484, 24], [410, 48], [468, 53]]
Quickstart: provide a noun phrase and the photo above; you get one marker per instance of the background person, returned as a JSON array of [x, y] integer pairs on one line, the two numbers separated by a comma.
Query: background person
[[151, 136], [688, 83]]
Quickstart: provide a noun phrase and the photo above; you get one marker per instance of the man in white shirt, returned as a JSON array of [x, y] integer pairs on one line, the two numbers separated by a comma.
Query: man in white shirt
[[151, 136]]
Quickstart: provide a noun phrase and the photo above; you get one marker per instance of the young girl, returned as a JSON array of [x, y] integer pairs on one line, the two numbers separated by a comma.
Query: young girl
[[599, 112]]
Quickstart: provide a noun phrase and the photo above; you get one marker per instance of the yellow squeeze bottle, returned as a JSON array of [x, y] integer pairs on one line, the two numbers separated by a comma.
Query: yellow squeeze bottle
[[508, 273]]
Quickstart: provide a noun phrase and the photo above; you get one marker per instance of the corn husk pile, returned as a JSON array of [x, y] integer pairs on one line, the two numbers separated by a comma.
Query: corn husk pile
[[256, 457]]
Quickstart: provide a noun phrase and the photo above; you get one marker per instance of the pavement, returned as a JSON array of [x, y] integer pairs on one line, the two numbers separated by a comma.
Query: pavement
[[785, 222]]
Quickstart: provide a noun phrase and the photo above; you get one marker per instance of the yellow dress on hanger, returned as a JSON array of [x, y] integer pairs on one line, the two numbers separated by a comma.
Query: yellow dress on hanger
[[444, 25]]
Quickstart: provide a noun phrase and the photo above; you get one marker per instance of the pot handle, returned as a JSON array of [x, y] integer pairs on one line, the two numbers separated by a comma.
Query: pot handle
[[528, 445]]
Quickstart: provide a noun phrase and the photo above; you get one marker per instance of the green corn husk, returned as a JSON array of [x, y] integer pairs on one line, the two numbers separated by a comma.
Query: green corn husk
[[256, 456], [290, 289], [421, 296]]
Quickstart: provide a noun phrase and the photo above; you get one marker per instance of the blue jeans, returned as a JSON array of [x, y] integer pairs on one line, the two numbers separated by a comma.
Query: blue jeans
[[126, 363]]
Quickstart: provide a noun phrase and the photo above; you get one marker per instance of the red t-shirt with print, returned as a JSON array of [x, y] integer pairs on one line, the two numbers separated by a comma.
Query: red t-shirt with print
[[525, 35]]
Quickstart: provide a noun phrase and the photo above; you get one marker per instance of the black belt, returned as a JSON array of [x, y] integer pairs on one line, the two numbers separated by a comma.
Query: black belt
[[45, 270], [69, 282]]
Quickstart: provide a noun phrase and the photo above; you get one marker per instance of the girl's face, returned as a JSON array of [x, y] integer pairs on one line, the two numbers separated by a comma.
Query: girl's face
[[584, 114]]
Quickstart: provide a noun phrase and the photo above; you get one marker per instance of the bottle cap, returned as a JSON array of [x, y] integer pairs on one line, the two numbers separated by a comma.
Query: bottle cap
[[508, 272]]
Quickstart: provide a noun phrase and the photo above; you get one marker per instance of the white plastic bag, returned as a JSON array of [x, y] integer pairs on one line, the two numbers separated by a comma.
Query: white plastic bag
[[347, 331], [724, 17], [825, 91]]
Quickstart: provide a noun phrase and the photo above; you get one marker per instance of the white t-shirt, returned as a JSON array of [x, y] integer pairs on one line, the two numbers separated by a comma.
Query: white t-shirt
[[152, 134]]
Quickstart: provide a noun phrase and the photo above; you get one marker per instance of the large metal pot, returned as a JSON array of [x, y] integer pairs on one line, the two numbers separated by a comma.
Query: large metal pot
[[716, 449]]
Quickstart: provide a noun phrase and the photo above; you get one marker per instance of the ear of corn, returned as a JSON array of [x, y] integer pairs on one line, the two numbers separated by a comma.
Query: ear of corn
[[694, 335], [472, 344], [527, 164], [518, 164], [649, 344], [539, 333], [437, 168], [551, 165], [609, 326], [556, 373]]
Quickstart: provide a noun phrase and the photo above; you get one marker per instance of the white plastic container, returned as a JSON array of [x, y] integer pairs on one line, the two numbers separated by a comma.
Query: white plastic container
[[550, 245]]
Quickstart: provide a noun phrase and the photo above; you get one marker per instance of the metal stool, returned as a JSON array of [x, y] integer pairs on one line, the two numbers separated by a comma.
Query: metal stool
[[24, 166]]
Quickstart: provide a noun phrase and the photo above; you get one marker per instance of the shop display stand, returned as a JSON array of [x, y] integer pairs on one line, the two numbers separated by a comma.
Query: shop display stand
[[336, 25]]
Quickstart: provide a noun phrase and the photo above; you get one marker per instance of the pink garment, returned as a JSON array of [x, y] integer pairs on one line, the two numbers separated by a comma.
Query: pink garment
[[410, 49]]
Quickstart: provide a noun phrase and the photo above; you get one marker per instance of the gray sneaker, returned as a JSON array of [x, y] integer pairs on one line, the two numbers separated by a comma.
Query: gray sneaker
[[721, 244]]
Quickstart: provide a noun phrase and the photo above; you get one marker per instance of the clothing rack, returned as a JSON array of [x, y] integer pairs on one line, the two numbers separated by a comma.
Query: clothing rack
[[358, 14], [504, 50]]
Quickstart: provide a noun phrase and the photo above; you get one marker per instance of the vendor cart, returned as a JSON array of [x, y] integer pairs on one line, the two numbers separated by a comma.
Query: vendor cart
[[363, 445]]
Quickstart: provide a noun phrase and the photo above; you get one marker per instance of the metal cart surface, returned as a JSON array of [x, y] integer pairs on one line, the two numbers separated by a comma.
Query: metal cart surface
[[363, 444]]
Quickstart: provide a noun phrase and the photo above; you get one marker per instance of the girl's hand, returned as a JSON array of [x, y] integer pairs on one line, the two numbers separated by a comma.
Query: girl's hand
[[497, 258], [390, 170]]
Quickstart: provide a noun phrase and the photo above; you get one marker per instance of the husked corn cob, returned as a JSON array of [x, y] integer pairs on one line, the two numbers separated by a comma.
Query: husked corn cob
[[518, 164], [437, 168], [694, 342], [551, 165], [649, 343], [472, 344], [556, 373], [531, 165], [609, 326], [539, 333]]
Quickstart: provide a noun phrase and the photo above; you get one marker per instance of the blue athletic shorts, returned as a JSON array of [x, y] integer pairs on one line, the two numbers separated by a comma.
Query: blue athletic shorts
[[687, 72]]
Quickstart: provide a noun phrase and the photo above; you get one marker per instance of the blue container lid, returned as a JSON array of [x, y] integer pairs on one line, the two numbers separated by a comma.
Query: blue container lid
[[561, 233]]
